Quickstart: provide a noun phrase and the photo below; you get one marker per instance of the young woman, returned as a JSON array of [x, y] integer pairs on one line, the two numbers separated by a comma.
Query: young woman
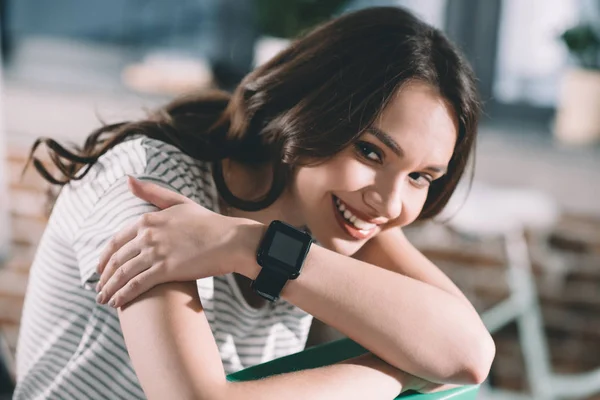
[[359, 128]]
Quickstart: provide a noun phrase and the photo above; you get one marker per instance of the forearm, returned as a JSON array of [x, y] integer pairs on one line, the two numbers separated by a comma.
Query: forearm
[[175, 356], [430, 387], [402, 257], [322, 333], [414, 326], [365, 377]]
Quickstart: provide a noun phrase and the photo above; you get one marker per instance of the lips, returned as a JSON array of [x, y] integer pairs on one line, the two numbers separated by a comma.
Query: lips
[[348, 227]]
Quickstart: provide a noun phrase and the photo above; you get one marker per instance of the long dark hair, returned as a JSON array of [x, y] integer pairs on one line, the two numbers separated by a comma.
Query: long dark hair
[[308, 103]]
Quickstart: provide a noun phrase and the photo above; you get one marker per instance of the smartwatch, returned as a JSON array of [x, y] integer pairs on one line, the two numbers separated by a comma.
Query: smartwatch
[[281, 254]]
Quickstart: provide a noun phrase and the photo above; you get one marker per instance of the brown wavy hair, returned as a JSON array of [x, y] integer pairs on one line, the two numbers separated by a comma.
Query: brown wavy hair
[[308, 103]]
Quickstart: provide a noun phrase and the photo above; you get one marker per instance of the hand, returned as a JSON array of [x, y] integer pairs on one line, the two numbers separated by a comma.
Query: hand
[[183, 242]]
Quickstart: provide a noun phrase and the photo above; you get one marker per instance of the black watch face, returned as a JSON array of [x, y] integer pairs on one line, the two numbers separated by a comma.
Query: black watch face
[[284, 247]]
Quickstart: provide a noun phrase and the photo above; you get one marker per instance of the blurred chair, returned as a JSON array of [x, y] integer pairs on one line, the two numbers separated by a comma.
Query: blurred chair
[[514, 215]]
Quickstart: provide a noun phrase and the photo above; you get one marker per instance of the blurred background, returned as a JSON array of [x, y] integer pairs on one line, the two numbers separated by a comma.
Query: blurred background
[[524, 246]]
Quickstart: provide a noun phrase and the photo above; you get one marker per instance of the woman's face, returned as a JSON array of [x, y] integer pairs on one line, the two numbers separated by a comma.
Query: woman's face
[[382, 180]]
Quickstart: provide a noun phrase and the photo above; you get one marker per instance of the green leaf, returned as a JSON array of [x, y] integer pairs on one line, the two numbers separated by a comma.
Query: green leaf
[[290, 18], [584, 44]]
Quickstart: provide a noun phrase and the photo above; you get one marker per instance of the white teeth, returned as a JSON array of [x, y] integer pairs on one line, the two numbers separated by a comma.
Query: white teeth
[[362, 225], [353, 219]]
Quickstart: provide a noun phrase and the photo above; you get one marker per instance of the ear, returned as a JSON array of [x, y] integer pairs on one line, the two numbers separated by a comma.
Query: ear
[[160, 196]]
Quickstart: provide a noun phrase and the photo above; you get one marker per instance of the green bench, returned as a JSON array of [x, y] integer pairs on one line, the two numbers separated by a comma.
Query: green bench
[[331, 353]]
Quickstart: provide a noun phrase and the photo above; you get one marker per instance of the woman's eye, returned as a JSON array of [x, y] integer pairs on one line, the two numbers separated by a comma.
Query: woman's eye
[[420, 179], [369, 151]]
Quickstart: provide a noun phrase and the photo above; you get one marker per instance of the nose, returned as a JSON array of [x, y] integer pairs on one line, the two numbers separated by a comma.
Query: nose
[[386, 198]]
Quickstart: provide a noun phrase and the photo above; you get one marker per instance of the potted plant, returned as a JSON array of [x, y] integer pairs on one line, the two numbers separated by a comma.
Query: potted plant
[[279, 21], [578, 112]]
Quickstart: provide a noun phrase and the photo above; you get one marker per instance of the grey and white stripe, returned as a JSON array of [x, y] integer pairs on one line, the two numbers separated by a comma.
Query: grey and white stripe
[[72, 348]]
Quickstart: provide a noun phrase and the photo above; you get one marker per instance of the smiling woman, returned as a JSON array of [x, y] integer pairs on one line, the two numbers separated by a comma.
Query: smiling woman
[[320, 140], [384, 178]]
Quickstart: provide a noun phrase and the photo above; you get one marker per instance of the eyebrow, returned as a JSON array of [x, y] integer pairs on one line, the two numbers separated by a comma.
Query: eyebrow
[[396, 149], [387, 140]]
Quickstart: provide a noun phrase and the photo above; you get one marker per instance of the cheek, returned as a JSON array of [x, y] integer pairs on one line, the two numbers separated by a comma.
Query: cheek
[[342, 174], [412, 205], [347, 174]]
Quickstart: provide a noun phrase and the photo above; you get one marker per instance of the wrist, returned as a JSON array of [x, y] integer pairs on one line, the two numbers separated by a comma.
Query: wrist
[[247, 238]]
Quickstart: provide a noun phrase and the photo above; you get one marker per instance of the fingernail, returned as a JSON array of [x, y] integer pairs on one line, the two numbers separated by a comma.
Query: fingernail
[[98, 287], [112, 302], [99, 298]]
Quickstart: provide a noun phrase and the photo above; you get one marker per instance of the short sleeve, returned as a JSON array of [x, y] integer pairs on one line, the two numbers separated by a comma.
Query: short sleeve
[[114, 206], [115, 209]]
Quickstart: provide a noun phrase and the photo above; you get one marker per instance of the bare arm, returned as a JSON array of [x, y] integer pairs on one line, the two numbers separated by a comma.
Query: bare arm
[[175, 356], [321, 333], [392, 250], [414, 326]]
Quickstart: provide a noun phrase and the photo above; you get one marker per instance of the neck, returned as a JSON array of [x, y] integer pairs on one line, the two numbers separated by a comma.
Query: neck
[[274, 212], [243, 182]]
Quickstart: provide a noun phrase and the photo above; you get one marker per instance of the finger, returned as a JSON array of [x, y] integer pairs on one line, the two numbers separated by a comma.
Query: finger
[[122, 276], [134, 288], [127, 252], [160, 196], [122, 237]]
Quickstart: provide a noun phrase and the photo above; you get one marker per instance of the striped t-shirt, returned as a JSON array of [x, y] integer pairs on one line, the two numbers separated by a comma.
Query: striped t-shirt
[[72, 348]]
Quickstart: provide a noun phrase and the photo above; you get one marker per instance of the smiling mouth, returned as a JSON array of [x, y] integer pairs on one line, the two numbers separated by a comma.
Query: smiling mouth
[[350, 223]]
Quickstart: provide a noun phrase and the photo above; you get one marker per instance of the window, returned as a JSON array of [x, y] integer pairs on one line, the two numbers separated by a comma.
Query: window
[[531, 57]]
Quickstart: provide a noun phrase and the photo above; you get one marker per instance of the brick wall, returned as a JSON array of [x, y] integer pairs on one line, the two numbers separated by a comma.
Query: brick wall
[[570, 301], [27, 197]]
